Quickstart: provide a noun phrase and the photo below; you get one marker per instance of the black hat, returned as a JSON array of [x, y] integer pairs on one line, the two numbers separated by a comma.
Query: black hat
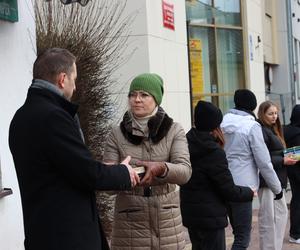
[[295, 117], [245, 99], [207, 116]]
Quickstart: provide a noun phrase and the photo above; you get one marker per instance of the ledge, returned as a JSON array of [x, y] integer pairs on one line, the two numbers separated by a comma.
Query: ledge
[[5, 192]]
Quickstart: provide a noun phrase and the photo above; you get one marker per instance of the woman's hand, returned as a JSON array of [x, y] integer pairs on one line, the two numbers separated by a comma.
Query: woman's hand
[[289, 161], [254, 192], [153, 169]]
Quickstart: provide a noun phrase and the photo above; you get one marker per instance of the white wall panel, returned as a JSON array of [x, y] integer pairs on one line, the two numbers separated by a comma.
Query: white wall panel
[[17, 53]]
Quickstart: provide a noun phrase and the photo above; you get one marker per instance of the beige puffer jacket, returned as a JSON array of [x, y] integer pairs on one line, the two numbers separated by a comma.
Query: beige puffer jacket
[[152, 222]]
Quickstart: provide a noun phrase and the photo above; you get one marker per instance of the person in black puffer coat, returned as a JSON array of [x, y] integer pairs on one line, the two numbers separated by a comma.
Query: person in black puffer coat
[[203, 198], [292, 138], [273, 213]]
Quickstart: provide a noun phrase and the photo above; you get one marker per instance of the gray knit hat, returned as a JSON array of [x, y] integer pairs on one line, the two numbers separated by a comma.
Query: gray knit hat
[[150, 83]]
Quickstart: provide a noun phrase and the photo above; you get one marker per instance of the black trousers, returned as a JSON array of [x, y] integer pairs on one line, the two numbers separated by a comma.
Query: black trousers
[[294, 177], [207, 239]]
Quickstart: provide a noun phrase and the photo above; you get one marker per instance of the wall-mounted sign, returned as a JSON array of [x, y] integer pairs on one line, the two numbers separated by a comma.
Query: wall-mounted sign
[[9, 10], [196, 68], [251, 48], [168, 15]]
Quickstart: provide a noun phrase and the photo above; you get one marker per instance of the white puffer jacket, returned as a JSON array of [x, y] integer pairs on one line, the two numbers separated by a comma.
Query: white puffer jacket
[[246, 151]]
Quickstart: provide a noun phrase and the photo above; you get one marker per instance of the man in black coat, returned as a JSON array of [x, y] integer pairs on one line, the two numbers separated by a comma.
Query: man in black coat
[[56, 173]]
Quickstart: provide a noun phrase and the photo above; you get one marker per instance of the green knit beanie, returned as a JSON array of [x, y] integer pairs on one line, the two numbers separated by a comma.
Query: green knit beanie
[[150, 83]]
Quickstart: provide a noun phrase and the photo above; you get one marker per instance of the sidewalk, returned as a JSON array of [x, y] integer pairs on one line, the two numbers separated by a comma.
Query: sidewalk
[[254, 244]]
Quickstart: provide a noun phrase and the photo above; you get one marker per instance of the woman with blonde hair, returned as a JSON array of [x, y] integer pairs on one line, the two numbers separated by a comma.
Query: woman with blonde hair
[[272, 214]]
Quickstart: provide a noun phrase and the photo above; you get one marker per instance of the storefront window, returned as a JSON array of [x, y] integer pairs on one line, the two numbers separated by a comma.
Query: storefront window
[[202, 61], [216, 50], [200, 11], [228, 12], [230, 64]]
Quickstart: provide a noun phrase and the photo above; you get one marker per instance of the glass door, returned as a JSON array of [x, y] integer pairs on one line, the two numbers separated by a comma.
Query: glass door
[[215, 51]]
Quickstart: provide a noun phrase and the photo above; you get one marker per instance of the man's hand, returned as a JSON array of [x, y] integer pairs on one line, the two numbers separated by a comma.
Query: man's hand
[[135, 179], [153, 169]]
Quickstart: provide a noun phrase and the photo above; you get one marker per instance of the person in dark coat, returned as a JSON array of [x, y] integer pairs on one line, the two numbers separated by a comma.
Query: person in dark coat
[[292, 138], [56, 173], [203, 198], [272, 214]]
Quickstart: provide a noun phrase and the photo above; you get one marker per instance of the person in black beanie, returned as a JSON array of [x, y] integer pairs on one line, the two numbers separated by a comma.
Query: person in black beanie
[[245, 99], [203, 206], [247, 155], [292, 138]]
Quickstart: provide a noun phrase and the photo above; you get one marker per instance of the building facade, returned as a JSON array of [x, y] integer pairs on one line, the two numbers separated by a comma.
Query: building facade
[[17, 53], [294, 16], [217, 47], [278, 43], [203, 49], [159, 43]]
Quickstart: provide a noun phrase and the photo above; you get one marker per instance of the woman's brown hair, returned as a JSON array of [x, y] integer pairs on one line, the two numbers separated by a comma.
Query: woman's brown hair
[[263, 107], [218, 134]]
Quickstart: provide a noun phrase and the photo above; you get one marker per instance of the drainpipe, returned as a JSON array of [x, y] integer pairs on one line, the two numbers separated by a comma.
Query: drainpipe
[[290, 50], [189, 69]]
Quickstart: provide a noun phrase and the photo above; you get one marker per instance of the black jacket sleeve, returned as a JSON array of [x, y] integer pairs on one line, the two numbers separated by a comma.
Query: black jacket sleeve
[[70, 157], [275, 148], [221, 177]]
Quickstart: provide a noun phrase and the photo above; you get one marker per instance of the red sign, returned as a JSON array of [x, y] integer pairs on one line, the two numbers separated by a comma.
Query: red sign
[[168, 15]]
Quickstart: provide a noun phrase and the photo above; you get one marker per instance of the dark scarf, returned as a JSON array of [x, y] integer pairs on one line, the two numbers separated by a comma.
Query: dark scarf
[[158, 126]]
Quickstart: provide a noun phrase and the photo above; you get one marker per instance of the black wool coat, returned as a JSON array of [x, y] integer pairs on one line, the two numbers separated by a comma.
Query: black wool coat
[[275, 148], [204, 197], [57, 176]]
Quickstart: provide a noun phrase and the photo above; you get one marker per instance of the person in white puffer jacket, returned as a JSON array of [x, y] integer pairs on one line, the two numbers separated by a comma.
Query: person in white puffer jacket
[[247, 156]]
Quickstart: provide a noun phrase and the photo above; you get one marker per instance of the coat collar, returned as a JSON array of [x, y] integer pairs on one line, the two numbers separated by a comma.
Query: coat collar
[[158, 125], [54, 97]]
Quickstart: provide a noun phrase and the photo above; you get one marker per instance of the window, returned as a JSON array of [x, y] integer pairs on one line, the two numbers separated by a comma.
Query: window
[[216, 50]]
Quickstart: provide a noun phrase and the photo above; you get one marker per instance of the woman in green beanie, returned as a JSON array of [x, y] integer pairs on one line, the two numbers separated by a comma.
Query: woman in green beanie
[[148, 216]]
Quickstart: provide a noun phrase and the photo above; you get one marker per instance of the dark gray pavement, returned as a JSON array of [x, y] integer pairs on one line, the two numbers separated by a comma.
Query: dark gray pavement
[[254, 244]]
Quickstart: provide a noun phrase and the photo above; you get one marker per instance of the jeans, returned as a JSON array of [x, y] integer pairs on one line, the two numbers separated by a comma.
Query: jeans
[[207, 239], [240, 216], [294, 177]]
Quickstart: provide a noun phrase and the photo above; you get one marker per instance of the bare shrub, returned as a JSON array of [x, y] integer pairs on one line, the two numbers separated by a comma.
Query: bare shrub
[[98, 36]]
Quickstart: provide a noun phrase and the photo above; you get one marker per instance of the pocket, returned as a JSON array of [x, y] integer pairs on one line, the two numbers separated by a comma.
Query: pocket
[[133, 218], [170, 206], [130, 214], [129, 210], [170, 211]]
